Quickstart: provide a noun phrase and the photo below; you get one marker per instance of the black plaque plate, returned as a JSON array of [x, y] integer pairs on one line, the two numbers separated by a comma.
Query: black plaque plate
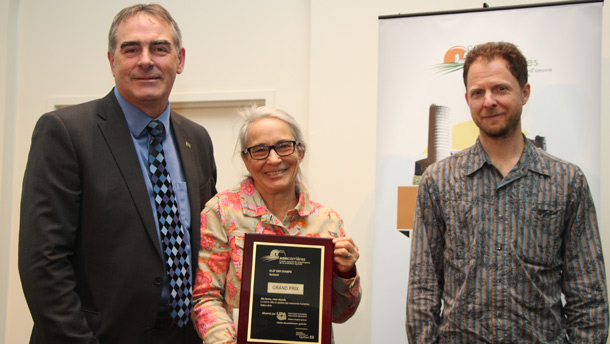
[[286, 290]]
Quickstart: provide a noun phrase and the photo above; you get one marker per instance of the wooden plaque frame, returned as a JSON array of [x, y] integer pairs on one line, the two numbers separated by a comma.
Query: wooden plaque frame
[[286, 290]]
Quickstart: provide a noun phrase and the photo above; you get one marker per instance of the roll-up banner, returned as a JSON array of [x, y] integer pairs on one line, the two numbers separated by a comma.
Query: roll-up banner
[[423, 116]]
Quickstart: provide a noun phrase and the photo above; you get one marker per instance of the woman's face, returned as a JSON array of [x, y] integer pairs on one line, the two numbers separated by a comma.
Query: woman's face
[[275, 174]]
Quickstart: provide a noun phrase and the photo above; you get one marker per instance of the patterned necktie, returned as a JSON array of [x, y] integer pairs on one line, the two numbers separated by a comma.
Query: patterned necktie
[[172, 234]]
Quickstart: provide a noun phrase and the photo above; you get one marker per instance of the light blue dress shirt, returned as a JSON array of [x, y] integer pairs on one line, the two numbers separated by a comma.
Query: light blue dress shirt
[[137, 121]]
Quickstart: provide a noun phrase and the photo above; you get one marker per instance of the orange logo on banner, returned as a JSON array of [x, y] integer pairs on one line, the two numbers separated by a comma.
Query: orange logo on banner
[[455, 54]]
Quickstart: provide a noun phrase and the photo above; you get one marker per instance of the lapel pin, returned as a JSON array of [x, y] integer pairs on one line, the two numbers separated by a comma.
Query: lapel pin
[[188, 144]]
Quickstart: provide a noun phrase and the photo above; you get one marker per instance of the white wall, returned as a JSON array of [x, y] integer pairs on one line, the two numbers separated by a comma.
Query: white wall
[[318, 56], [8, 54]]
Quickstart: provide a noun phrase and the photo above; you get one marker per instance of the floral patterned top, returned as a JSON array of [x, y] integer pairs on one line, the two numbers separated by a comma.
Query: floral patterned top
[[224, 222]]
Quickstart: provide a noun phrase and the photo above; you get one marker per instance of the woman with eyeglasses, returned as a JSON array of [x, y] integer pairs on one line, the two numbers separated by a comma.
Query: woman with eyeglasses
[[271, 200]]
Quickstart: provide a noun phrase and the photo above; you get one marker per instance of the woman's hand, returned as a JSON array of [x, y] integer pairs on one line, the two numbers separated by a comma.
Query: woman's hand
[[346, 255]]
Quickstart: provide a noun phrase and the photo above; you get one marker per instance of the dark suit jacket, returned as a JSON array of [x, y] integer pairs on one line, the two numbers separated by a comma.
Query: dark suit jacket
[[89, 257]]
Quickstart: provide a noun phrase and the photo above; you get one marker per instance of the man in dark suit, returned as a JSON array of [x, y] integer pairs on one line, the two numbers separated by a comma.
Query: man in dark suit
[[92, 262]]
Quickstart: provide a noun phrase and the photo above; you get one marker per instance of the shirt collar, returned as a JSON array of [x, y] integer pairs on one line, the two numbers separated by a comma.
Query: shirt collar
[[137, 120], [253, 204], [531, 158], [476, 158], [534, 159]]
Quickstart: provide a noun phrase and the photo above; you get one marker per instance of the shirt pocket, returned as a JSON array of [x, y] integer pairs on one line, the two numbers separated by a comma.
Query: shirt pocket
[[184, 207], [539, 232]]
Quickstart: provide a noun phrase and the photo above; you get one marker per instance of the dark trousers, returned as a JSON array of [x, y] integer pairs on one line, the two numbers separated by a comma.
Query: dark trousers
[[166, 332]]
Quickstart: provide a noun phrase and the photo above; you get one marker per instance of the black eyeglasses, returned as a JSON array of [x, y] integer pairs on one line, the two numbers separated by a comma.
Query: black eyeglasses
[[261, 152]]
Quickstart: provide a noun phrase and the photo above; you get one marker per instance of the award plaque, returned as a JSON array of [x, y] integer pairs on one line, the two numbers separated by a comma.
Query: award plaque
[[286, 290]]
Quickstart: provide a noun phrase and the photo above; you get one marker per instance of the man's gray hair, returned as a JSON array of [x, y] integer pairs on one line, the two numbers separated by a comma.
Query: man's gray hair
[[154, 10]]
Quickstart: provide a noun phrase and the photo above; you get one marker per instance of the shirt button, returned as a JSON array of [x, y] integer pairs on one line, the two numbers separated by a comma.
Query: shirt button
[[499, 248], [158, 281]]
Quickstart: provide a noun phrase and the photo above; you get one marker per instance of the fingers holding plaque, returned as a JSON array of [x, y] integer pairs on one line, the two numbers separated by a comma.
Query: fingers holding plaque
[[286, 290], [346, 254]]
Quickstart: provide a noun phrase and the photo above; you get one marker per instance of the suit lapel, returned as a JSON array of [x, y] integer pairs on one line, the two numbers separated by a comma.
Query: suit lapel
[[189, 166], [114, 128]]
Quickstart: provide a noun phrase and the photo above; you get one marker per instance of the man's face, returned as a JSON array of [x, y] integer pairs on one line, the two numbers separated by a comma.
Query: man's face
[[145, 62], [495, 98]]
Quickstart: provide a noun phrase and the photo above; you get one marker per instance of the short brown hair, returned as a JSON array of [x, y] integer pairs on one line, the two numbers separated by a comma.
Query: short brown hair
[[517, 64], [154, 10]]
